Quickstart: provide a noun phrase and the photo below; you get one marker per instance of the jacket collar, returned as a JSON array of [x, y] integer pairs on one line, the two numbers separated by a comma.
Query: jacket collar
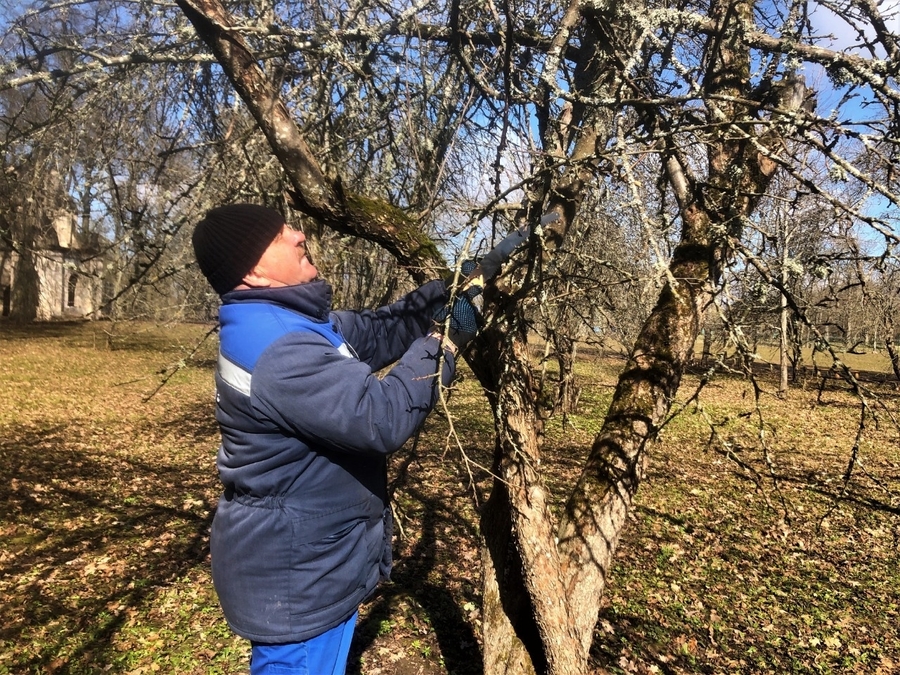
[[312, 298]]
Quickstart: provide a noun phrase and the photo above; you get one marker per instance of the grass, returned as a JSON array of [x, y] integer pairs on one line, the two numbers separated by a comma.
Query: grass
[[754, 553]]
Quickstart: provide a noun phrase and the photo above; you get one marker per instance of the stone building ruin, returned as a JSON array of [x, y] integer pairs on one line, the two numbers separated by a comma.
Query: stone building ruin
[[64, 269]]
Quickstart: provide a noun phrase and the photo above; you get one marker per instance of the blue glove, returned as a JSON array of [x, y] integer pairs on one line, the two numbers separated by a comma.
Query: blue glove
[[462, 281], [463, 314], [463, 321]]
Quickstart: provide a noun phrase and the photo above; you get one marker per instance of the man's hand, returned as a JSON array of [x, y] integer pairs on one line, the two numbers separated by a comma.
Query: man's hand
[[463, 321], [459, 283], [463, 324]]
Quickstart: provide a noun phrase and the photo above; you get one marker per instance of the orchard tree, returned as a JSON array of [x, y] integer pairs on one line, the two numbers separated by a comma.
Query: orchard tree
[[883, 293], [598, 82], [790, 239]]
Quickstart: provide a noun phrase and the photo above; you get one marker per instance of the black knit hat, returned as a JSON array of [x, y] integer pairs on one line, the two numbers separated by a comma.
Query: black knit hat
[[231, 240]]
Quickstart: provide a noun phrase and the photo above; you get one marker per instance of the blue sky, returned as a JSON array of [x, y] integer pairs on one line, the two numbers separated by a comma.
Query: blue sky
[[845, 38]]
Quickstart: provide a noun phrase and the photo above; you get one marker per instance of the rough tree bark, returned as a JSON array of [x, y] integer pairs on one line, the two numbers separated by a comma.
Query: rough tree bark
[[26, 217], [26, 286], [529, 625]]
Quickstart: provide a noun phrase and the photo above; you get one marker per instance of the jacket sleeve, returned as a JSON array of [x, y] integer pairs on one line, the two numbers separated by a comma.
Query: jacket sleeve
[[379, 337], [310, 390]]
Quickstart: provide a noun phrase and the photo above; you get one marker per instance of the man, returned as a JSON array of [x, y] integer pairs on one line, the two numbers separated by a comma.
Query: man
[[302, 533]]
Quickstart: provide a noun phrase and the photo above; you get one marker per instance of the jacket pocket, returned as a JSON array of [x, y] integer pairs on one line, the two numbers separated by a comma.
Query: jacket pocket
[[330, 570]]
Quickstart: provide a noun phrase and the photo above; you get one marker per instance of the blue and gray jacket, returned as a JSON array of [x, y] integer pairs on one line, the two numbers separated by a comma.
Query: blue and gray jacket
[[302, 533]]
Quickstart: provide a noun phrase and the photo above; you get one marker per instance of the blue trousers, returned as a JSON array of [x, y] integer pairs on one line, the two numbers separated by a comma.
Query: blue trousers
[[325, 654]]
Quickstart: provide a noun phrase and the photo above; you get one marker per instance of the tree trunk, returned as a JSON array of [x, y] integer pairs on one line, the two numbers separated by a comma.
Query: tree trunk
[[561, 579], [783, 358], [795, 353], [506, 607], [567, 388], [887, 318], [599, 505], [894, 355], [529, 626], [25, 288], [784, 310], [706, 351], [543, 585]]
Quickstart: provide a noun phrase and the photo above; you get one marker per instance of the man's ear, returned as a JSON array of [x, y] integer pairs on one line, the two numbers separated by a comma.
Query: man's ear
[[256, 279]]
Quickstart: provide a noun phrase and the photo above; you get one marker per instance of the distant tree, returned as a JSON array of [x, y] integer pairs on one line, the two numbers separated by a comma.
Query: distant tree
[[882, 294], [599, 287]]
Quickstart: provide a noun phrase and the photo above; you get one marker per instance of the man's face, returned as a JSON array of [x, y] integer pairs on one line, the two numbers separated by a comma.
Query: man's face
[[285, 262]]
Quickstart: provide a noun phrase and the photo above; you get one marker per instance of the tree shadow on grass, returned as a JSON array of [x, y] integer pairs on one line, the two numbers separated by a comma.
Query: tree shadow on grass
[[89, 536], [415, 597], [682, 575], [636, 641]]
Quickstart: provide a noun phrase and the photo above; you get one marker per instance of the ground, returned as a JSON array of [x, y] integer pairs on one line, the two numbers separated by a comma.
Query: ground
[[765, 538]]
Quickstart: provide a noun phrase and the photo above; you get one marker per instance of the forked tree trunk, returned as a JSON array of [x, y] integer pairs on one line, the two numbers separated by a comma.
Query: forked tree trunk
[[543, 584], [552, 580], [528, 624]]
